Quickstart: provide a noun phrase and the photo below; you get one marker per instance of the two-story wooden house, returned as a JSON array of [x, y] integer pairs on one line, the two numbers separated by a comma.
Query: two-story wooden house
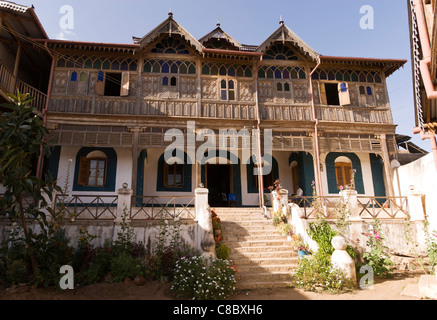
[[112, 108]]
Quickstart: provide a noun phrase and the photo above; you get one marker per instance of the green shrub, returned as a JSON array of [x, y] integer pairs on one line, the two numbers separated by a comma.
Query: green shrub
[[98, 268], [316, 274], [222, 251], [199, 279], [125, 266], [16, 272]]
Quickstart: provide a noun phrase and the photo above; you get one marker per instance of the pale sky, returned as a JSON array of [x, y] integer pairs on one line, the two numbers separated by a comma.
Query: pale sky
[[331, 27]]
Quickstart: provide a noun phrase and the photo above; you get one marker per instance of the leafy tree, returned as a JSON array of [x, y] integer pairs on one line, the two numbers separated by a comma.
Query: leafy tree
[[22, 140]]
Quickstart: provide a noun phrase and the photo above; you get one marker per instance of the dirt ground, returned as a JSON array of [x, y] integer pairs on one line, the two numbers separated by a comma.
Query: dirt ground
[[383, 289]]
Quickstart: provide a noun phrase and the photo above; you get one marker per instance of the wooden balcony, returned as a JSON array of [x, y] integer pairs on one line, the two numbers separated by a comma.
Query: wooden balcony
[[215, 110], [9, 84]]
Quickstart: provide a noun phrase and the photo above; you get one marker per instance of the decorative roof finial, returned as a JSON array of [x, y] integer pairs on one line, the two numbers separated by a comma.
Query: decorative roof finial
[[170, 13], [218, 22], [281, 22]]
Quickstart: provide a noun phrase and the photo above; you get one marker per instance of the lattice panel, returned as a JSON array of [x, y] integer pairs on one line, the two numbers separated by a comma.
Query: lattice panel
[[209, 89], [92, 82], [245, 91], [188, 87], [353, 95], [60, 82], [380, 97], [150, 86], [169, 92], [300, 92], [265, 91]]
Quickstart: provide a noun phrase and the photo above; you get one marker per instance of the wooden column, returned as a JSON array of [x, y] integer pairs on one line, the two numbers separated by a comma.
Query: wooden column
[[135, 154], [15, 73], [387, 166]]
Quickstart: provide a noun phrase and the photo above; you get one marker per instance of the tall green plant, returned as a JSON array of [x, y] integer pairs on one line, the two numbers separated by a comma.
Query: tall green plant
[[22, 142]]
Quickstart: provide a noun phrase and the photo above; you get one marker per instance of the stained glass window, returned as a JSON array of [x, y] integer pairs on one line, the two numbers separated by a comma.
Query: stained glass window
[[280, 52], [170, 45]]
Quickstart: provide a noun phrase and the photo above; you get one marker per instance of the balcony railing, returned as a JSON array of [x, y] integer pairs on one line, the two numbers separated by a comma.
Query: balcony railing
[[231, 111], [7, 81], [368, 207], [162, 207]]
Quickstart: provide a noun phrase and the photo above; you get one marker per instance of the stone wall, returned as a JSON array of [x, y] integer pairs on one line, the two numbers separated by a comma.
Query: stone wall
[[145, 232]]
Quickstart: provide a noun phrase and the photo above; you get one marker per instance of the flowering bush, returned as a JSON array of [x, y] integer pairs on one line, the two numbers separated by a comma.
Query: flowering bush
[[314, 274], [200, 279], [377, 257]]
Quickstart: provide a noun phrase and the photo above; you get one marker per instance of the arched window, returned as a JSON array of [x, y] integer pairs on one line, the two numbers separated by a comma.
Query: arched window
[[165, 81], [173, 81], [369, 90], [82, 77], [339, 168], [174, 174], [73, 76], [95, 169], [343, 172]]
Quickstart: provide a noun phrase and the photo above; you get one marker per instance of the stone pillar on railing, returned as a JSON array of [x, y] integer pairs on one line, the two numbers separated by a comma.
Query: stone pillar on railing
[[124, 202], [415, 205], [201, 199], [350, 198], [280, 201], [205, 236]]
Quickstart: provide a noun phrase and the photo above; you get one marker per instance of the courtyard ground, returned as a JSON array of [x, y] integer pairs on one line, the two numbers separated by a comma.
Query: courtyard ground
[[383, 289]]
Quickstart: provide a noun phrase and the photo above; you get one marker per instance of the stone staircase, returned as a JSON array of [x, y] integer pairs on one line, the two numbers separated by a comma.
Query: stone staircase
[[263, 257]]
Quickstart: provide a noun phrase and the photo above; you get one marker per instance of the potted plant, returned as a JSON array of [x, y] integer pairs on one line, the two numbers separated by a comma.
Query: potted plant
[[299, 245], [302, 250], [284, 228]]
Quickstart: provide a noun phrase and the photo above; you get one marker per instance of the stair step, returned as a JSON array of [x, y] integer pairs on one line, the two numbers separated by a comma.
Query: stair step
[[258, 243], [252, 285], [292, 261], [264, 258], [242, 238], [261, 249], [253, 269], [264, 276], [237, 256]]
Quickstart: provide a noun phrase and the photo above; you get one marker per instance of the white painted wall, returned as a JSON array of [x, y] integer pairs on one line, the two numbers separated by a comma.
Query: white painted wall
[[151, 176], [422, 175], [68, 156]]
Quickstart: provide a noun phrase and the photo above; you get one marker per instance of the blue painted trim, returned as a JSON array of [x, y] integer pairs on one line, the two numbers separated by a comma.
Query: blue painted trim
[[251, 179], [187, 176], [55, 156], [306, 171], [111, 169], [140, 176], [376, 164], [332, 178]]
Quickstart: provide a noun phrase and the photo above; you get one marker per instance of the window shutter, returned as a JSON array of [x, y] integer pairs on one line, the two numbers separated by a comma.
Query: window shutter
[[323, 99], [84, 171], [339, 174], [100, 85], [343, 94], [124, 91]]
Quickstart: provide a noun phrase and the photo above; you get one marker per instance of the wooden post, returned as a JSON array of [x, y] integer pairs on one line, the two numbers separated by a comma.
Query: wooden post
[[387, 166], [16, 65], [135, 153]]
